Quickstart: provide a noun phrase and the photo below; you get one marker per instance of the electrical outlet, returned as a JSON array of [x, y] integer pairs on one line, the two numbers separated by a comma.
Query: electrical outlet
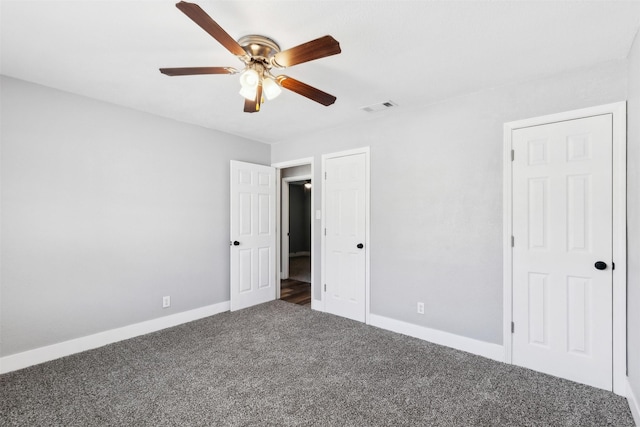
[[166, 301], [420, 308]]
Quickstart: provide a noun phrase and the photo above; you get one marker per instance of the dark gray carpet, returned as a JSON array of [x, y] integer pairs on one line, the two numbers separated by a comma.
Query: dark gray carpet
[[280, 364]]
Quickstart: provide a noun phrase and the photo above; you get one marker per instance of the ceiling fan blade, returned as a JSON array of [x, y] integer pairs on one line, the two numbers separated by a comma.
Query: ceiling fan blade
[[305, 90], [253, 106], [315, 49], [201, 18], [190, 71], [250, 106]]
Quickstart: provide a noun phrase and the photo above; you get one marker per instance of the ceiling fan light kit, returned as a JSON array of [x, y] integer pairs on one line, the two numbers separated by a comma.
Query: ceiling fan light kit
[[260, 55], [271, 88]]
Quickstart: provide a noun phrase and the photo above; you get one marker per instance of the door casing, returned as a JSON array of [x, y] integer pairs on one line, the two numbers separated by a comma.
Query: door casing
[[618, 110]]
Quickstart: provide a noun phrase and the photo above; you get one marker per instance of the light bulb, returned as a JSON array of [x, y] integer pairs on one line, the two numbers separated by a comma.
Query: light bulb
[[248, 92], [249, 79], [271, 88]]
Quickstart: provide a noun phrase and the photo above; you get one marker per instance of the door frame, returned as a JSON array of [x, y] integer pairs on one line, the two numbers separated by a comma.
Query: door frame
[[279, 180], [284, 205], [619, 232], [367, 240]]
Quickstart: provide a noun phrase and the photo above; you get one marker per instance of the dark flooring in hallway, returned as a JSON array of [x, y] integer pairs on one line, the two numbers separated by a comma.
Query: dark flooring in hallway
[[295, 291], [297, 288]]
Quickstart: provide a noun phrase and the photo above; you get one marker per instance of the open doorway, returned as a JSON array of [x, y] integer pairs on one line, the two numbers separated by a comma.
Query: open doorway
[[296, 244]]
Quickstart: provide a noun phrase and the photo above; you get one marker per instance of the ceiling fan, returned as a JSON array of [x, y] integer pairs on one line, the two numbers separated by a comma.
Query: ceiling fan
[[260, 55]]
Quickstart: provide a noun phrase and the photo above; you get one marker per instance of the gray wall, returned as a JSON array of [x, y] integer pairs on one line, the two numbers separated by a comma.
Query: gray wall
[[633, 220], [436, 195], [299, 219], [104, 211], [301, 170]]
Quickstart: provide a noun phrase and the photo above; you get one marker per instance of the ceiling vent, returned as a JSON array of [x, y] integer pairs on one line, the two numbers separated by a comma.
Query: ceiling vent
[[379, 107]]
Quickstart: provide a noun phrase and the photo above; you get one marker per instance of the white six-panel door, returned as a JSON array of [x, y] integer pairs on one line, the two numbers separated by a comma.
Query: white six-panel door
[[562, 226], [253, 234], [345, 235]]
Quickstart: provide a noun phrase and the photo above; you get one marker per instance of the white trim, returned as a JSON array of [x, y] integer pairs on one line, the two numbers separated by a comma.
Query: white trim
[[507, 232], [316, 304], [323, 274], [292, 163], [619, 112], [279, 232], [367, 239], [634, 403], [367, 244], [279, 166], [44, 354], [283, 222], [470, 345]]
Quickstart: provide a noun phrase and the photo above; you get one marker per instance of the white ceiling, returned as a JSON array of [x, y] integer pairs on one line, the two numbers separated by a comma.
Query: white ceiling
[[411, 52]]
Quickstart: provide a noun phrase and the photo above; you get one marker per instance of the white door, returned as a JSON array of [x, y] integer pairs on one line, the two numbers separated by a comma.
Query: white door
[[345, 230], [562, 227], [253, 234]]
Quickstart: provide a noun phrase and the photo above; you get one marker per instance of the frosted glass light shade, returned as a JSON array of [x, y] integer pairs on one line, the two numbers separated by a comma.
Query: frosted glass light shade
[[249, 79], [271, 88], [249, 92]]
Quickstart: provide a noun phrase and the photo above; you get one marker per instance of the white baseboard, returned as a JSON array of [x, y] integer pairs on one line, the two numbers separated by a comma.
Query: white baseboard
[[55, 351], [316, 304], [634, 404], [470, 345]]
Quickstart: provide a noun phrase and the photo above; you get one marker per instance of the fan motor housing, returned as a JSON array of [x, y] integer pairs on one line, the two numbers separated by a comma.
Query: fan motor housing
[[259, 47]]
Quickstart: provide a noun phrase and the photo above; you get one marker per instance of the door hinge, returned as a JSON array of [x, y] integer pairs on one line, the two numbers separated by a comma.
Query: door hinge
[[513, 155], [325, 287], [613, 265], [513, 241], [513, 327], [325, 176], [325, 231]]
